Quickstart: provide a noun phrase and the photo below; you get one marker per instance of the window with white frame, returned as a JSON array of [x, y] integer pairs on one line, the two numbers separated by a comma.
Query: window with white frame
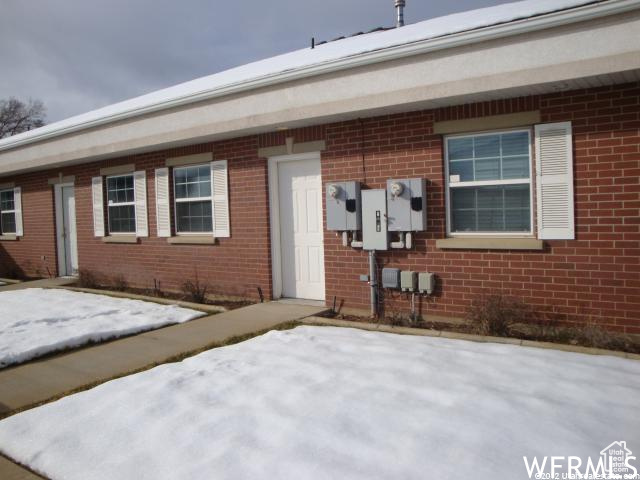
[[192, 192], [488, 178], [7, 212], [121, 204]]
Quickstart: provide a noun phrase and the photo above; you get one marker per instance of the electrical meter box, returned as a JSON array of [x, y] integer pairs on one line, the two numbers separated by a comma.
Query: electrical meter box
[[407, 204], [374, 220], [427, 282], [343, 206], [408, 281], [391, 278]]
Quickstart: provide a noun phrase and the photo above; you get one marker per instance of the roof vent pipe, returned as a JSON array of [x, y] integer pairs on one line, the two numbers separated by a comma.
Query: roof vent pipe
[[400, 4]]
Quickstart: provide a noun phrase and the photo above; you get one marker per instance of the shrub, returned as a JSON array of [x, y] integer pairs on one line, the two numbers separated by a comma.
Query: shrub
[[196, 290], [88, 279], [496, 314], [119, 283], [157, 288]]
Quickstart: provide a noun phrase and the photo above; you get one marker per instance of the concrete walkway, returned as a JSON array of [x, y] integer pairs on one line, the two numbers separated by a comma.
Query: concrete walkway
[[42, 283], [39, 381]]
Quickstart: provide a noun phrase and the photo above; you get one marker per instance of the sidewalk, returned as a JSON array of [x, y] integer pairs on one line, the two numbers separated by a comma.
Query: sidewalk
[[42, 283]]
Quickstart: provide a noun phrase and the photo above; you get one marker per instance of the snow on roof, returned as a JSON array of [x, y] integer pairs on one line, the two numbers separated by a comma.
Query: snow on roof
[[322, 54]]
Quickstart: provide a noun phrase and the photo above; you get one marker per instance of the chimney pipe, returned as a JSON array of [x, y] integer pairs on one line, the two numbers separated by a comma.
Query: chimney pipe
[[400, 4]]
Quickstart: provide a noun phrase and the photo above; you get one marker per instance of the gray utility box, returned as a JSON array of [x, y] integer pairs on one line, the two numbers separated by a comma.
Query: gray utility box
[[343, 206], [427, 282], [407, 204], [391, 278], [408, 281], [374, 220]]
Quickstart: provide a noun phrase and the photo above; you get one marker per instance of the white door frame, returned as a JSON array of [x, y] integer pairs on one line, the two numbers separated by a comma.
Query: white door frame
[[274, 214], [61, 249]]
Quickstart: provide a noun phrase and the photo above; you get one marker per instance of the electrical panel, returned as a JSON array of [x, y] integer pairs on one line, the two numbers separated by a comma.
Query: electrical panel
[[374, 220], [407, 204], [343, 206], [426, 282], [390, 278], [408, 281]]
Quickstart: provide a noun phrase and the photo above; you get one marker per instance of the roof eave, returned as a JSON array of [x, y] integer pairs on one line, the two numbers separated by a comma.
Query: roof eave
[[554, 19]]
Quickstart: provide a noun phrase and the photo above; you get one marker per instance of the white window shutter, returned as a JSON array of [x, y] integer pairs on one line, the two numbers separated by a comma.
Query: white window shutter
[[98, 206], [163, 210], [220, 196], [140, 189], [554, 181], [17, 206]]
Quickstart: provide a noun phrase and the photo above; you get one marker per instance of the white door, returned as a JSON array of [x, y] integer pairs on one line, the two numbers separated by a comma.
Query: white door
[[66, 226], [301, 243]]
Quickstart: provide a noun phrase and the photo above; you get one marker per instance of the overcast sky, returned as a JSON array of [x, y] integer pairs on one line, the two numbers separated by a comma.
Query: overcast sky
[[78, 55]]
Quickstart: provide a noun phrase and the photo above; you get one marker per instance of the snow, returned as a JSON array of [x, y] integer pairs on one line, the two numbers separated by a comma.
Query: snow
[[37, 321], [326, 403], [322, 54]]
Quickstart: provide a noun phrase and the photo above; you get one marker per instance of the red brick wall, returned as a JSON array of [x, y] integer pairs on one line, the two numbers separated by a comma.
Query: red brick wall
[[593, 278]]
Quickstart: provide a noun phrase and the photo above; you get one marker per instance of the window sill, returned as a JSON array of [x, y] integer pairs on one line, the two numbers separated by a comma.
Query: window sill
[[120, 239], [8, 238], [192, 240], [486, 243]]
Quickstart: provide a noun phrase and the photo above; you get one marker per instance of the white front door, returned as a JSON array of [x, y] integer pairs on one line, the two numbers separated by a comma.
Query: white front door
[[66, 230], [301, 242]]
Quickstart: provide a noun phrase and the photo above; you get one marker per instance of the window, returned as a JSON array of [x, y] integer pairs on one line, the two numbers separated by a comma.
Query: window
[[192, 191], [489, 183], [7, 212], [121, 203]]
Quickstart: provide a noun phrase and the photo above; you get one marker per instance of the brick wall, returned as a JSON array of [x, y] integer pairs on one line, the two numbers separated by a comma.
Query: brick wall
[[593, 278]]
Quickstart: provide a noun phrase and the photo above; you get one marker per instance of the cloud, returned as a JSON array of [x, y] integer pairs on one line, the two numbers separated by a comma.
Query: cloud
[[77, 55]]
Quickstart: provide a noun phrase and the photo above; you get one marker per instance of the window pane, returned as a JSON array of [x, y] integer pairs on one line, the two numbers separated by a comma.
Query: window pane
[[515, 167], [488, 169], [516, 196], [516, 143], [495, 157], [193, 217], [122, 219], [193, 190], [460, 148], [205, 188], [192, 182], [204, 174], [463, 198], [491, 209], [490, 220], [180, 175], [464, 221], [464, 169], [487, 146], [490, 197], [8, 222], [120, 189], [518, 220], [6, 200], [181, 191]]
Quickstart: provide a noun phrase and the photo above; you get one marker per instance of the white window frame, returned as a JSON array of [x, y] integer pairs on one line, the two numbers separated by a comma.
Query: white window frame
[[481, 183], [2, 232], [120, 204], [177, 200]]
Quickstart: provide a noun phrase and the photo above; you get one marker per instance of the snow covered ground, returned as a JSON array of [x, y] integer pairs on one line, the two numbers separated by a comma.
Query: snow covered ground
[[37, 321], [333, 403]]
